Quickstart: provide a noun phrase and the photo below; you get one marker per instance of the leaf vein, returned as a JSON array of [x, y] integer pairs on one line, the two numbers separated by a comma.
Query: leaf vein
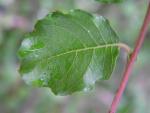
[[84, 49]]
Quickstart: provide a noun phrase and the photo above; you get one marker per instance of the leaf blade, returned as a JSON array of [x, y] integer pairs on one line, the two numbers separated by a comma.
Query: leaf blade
[[73, 50]]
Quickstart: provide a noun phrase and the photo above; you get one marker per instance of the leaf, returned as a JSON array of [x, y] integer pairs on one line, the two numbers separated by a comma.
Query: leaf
[[68, 52], [110, 1]]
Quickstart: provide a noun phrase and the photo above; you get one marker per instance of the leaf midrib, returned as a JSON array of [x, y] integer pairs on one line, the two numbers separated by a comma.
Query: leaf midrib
[[85, 49]]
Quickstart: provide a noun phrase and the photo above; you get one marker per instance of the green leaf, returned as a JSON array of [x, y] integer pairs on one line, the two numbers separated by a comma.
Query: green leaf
[[110, 1], [68, 52]]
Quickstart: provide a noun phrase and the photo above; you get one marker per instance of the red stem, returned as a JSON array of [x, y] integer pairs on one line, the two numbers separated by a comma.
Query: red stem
[[131, 61]]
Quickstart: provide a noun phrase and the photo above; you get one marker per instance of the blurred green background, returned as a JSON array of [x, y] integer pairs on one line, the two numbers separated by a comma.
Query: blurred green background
[[19, 16]]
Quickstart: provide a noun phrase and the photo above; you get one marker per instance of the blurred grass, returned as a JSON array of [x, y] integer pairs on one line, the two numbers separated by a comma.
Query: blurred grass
[[18, 17]]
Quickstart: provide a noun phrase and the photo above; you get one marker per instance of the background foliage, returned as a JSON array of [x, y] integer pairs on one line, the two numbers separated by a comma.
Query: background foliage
[[19, 16]]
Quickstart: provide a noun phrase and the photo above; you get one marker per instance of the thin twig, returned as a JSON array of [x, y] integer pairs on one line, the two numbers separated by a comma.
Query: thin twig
[[131, 61]]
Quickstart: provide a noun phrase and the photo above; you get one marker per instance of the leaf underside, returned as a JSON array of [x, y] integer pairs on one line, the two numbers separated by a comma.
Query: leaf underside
[[110, 1], [68, 52]]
